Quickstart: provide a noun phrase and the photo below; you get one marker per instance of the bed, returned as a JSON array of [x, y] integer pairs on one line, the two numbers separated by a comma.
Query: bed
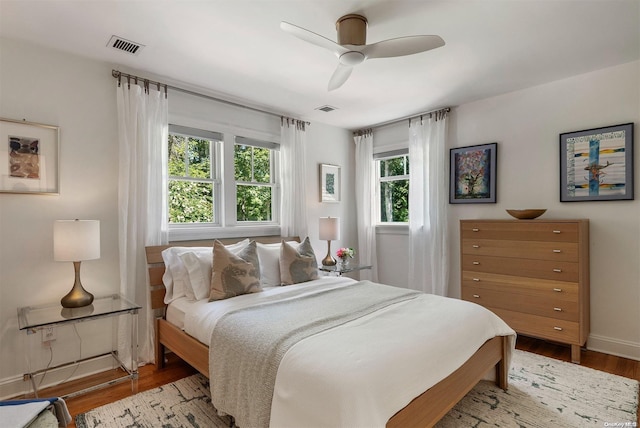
[[305, 376]]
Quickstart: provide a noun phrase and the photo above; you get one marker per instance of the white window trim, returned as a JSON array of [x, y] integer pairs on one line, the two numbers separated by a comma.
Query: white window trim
[[226, 226], [391, 227]]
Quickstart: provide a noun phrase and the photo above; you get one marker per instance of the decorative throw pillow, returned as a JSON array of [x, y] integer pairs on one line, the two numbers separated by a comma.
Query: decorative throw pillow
[[199, 265], [234, 274], [297, 265], [269, 256]]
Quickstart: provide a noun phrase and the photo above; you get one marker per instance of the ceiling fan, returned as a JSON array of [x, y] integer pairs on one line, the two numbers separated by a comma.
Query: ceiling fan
[[352, 49]]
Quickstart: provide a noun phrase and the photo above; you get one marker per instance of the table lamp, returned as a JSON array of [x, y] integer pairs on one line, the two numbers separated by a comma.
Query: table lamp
[[75, 241], [329, 231]]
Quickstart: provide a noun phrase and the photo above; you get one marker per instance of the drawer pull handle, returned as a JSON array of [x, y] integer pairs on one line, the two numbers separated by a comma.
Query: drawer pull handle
[[557, 251], [475, 229], [476, 279], [557, 270], [557, 309], [557, 290], [477, 296], [557, 328], [476, 263], [476, 246], [557, 231]]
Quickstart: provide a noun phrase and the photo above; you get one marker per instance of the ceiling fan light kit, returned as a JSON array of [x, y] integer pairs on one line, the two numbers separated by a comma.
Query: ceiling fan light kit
[[352, 49]]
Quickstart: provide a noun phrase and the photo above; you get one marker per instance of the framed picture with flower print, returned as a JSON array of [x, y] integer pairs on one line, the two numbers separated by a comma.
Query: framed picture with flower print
[[329, 183], [473, 174]]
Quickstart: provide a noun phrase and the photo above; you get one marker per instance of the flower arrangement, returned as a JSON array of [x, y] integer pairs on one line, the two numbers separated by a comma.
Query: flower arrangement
[[345, 253]]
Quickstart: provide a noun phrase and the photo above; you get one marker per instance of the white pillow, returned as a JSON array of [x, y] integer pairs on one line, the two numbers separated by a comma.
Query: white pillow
[[177, 278], [269, 256], [175, 273]]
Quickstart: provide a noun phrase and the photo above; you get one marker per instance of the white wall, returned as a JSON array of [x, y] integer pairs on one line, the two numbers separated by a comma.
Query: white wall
[[48, 87], [526, 125], [78, 95]]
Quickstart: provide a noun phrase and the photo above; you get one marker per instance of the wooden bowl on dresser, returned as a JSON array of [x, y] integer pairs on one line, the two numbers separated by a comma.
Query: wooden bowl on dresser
[[528, 214]]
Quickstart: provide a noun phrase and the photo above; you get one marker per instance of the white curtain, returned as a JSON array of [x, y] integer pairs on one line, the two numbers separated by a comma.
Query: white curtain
[[142, 204], [428, 204], [293, 179], [366, 213]]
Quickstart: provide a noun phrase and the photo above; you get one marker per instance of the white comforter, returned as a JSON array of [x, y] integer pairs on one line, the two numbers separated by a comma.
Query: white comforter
[[361, 373]]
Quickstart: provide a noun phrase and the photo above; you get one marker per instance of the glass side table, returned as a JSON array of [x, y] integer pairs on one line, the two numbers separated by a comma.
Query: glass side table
[[340, 269], [32, 319]]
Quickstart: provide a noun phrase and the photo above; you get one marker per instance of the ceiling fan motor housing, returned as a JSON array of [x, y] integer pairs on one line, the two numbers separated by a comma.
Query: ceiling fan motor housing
[[352, 30]]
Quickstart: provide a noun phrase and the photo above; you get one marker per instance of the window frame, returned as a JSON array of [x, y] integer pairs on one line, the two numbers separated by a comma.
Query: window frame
[[377, 158], [274, 182], [226, 224], [215, 152]]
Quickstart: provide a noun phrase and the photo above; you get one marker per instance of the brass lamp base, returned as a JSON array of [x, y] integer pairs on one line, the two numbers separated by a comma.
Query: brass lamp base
[[78, 297], [328, 260]]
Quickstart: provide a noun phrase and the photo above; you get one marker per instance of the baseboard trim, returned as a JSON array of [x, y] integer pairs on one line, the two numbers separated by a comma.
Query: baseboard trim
[[16, 386], [617, 347]]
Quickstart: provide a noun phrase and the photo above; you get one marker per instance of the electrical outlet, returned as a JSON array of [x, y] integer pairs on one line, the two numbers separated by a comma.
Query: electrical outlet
[[48, 336]]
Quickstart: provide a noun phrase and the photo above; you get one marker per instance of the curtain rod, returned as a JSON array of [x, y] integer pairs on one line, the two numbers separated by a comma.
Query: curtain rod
[[413, 116], [118, 74]]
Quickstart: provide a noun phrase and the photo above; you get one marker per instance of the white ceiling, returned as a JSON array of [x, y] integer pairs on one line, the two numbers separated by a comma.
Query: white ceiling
[[234, 49]]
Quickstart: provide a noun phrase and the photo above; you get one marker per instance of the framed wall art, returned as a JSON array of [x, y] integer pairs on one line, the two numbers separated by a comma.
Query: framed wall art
[[329, 183], [29, 157], [473, 174], [597, 164]]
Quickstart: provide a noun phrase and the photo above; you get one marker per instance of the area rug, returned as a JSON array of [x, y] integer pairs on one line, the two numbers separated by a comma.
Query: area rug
[[543, 392]]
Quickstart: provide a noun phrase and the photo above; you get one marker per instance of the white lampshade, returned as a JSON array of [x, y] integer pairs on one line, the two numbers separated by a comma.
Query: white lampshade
[[329, 228], [76, 240]]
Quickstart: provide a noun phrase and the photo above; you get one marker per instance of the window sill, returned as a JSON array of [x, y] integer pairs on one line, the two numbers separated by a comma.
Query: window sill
[[392, 229], [194, 233]]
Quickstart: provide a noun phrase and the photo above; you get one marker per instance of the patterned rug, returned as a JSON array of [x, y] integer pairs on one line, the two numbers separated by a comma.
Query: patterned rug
[[543, 392]]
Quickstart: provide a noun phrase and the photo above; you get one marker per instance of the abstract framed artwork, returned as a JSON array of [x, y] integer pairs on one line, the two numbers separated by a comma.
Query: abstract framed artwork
[[329, 183], [29, 157], [597, 164], [473, 174]]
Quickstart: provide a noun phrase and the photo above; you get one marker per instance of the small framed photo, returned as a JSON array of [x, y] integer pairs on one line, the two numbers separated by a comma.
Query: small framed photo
[[597, 164], [329, 183], [29, 155], [473, 174]]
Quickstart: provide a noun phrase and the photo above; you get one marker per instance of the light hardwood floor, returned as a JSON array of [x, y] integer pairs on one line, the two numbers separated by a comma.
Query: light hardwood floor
[[176, 369]]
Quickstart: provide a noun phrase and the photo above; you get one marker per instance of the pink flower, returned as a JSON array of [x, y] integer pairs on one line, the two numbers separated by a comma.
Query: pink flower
[[344, 253]]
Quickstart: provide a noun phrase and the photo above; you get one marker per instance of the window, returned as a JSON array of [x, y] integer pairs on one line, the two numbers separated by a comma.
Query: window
[[207, 187], [194, 180], [393, 186], [254, 172]]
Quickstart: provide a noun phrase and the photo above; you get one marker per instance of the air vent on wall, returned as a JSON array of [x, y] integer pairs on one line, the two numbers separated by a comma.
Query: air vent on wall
[[326, 109], [124, 45]]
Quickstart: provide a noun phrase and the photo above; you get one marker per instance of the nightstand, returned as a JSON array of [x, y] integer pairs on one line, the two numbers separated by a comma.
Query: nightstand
[[32, 319], [339, 269]]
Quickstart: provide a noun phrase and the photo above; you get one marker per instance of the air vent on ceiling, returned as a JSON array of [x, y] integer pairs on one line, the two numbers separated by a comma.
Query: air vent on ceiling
[[124, 45], [326, 109]]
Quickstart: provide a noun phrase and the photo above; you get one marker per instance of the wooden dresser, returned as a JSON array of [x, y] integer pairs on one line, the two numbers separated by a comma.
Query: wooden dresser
[[534, 274]]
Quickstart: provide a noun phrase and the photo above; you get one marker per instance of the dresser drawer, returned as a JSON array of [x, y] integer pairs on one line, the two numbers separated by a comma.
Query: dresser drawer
[[554, 291], [540, 250], [522, 302], [543, 269], [520, 230], [542, 327]]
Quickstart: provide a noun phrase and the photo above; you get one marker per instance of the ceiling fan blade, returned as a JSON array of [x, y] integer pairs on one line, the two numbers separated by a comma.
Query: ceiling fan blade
[[340, 76], [402, 46], [313, 38]]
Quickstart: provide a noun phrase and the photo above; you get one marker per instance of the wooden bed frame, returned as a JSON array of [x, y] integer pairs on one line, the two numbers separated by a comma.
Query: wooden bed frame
[[424, 411]]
